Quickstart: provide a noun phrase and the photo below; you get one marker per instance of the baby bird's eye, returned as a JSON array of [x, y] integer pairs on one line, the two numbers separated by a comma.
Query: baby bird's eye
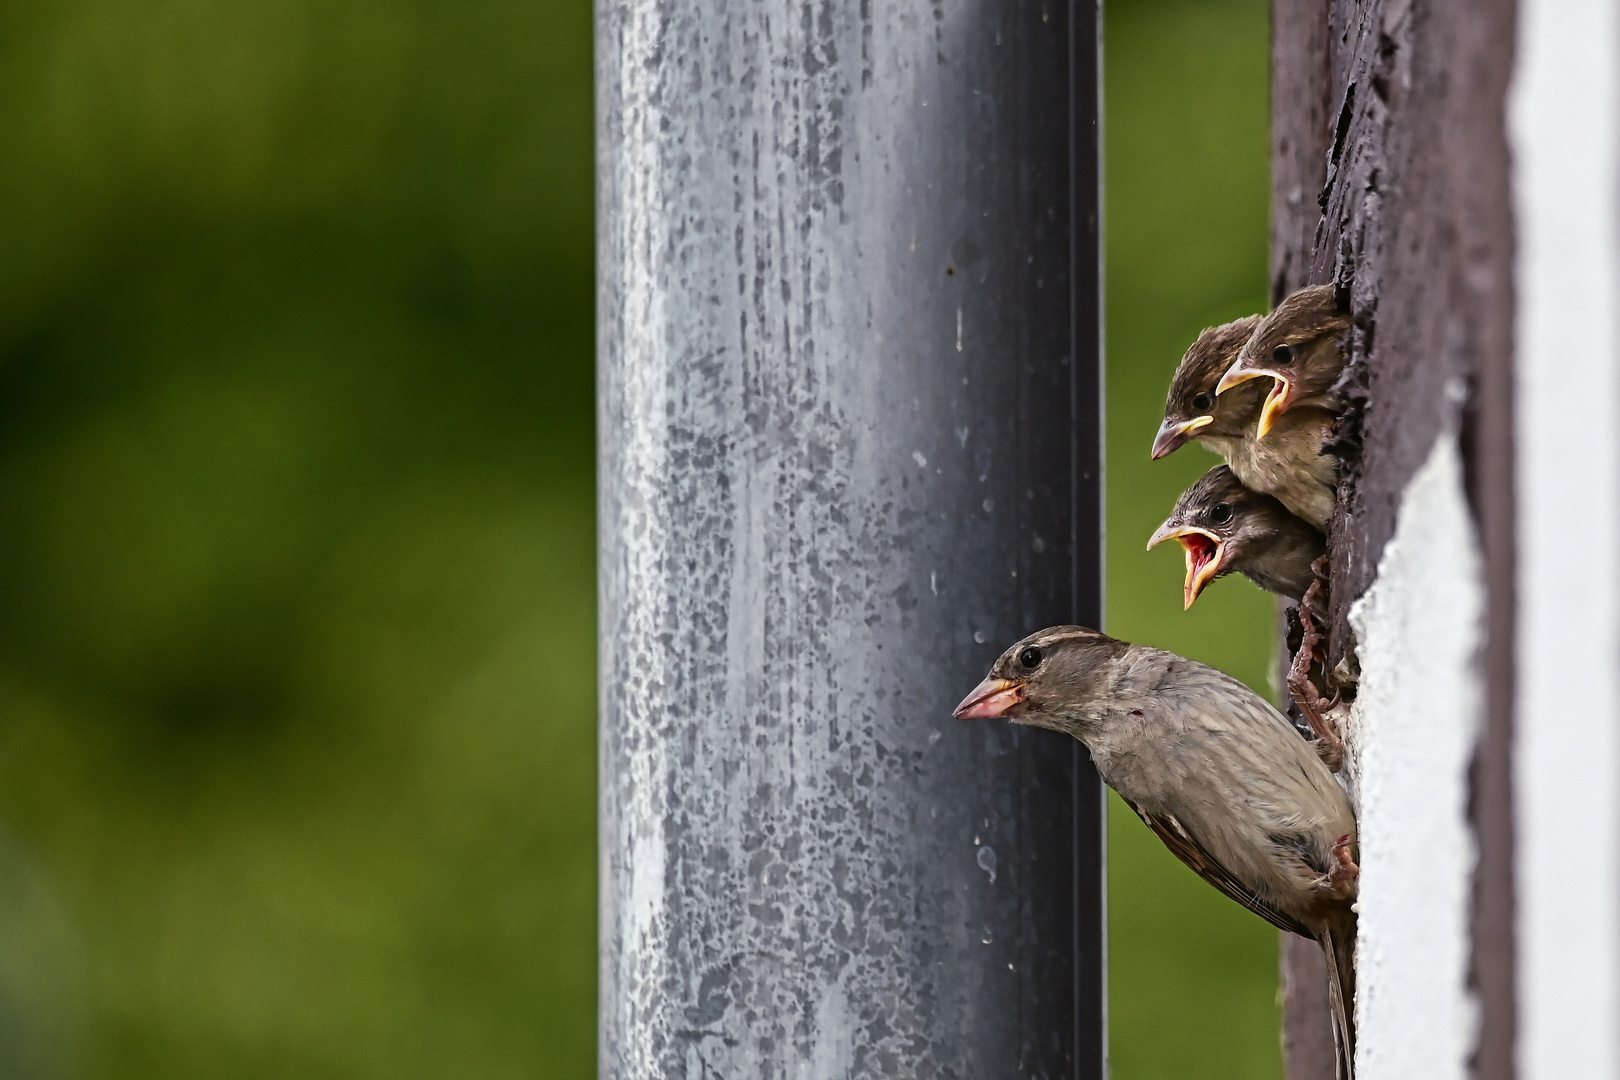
[[1031, 657], [1202, 402], [1283, 355], [1220, 514]]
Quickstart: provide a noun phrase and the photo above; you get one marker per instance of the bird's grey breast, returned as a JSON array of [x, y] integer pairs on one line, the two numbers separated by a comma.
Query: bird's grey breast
[[1202, 743]]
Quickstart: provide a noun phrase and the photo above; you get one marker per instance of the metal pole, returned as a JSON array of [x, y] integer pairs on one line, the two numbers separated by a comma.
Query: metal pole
[[850, 449]]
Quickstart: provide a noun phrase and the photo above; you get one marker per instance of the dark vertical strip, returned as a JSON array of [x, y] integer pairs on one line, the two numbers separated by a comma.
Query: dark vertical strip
[[1300, 136], [1307, 1011], [1088, 433], [1301, 76], [1490, 807], [1307, 1037], [1486, 37]]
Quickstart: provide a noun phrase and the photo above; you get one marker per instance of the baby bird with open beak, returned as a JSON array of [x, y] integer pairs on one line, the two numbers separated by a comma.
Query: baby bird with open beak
[[1225, 527], [1218, 774], [1300, 347], [1192, 410]]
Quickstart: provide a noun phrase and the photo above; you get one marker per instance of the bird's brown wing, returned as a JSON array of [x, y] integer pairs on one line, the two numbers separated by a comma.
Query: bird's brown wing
[[1191, 852]]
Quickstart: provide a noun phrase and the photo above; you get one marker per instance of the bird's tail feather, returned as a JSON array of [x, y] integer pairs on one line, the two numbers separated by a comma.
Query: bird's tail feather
[[1338, 947]]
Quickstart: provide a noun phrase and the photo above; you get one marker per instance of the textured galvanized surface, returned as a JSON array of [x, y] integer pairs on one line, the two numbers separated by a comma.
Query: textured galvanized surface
[[843, 441]]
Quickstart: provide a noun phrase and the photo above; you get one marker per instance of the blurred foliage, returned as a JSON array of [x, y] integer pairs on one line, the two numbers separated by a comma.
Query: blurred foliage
[[296, 616], [1193, 976], [296, 546]]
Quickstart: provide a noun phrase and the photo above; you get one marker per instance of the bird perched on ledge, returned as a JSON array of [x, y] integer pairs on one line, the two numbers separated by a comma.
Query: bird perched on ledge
[[1217, 773], [1225, 527], [1300, 346]]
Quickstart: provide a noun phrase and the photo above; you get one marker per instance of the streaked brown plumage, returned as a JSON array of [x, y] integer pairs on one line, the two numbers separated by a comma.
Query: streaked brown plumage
[[1301, 347], [1192, 410], [1218, 774], [1288, 465], [1296, 352], [1225, 527]]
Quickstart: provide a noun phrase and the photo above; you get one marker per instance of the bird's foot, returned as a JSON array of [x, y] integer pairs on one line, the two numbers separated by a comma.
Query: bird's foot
[[1311, 703], [1319, 568], [1345, 875], [1315, 598]]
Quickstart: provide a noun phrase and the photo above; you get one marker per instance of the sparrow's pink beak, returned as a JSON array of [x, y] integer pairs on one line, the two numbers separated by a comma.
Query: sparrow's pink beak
[[990, 700]]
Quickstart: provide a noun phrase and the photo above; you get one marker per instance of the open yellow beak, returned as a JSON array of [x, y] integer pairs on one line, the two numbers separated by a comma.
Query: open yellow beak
[[1205, 552], [1173, 437], [1277, 401]]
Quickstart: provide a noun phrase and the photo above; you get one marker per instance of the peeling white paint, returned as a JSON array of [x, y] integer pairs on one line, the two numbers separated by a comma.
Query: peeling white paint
[[1564, 122], [1411, 737]]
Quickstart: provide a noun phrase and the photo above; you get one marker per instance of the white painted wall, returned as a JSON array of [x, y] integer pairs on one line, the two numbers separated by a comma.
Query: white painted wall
[[1564, 118], [1411, 737]]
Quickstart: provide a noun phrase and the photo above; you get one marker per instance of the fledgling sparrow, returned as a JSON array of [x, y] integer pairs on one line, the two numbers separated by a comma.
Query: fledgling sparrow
[[1300, 347], [1192, 410], [1227, 423], [1225, 527], [1218, 774]]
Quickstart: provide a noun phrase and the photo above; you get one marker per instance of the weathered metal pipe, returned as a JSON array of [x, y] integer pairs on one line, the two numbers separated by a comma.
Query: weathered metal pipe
[[849, 449]]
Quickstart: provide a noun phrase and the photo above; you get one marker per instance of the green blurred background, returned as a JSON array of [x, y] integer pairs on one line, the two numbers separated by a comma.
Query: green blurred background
[[1193, 976], [296, 541]]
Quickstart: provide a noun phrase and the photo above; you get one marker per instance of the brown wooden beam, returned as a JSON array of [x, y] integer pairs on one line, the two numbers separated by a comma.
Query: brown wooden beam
[[1400, 106]]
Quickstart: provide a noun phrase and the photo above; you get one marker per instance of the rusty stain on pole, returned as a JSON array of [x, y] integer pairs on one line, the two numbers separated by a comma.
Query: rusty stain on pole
[[849, 448]]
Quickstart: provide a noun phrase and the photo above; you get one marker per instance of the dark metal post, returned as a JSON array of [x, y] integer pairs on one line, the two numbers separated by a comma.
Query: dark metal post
[[850, 449]]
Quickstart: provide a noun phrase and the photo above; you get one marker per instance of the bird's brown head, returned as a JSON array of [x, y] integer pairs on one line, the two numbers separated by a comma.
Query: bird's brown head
[[1301, 347], [1046, 680], [1225, 527], [1193, 410]]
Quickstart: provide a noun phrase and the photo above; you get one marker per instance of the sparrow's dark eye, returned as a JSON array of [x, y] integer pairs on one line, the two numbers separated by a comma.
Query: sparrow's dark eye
[[1220, 514], [1202, 402], [1031, 657], [1283, 355]]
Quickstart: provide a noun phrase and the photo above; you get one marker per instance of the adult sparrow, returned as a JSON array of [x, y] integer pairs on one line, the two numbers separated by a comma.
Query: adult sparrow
[[1218, 774]]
